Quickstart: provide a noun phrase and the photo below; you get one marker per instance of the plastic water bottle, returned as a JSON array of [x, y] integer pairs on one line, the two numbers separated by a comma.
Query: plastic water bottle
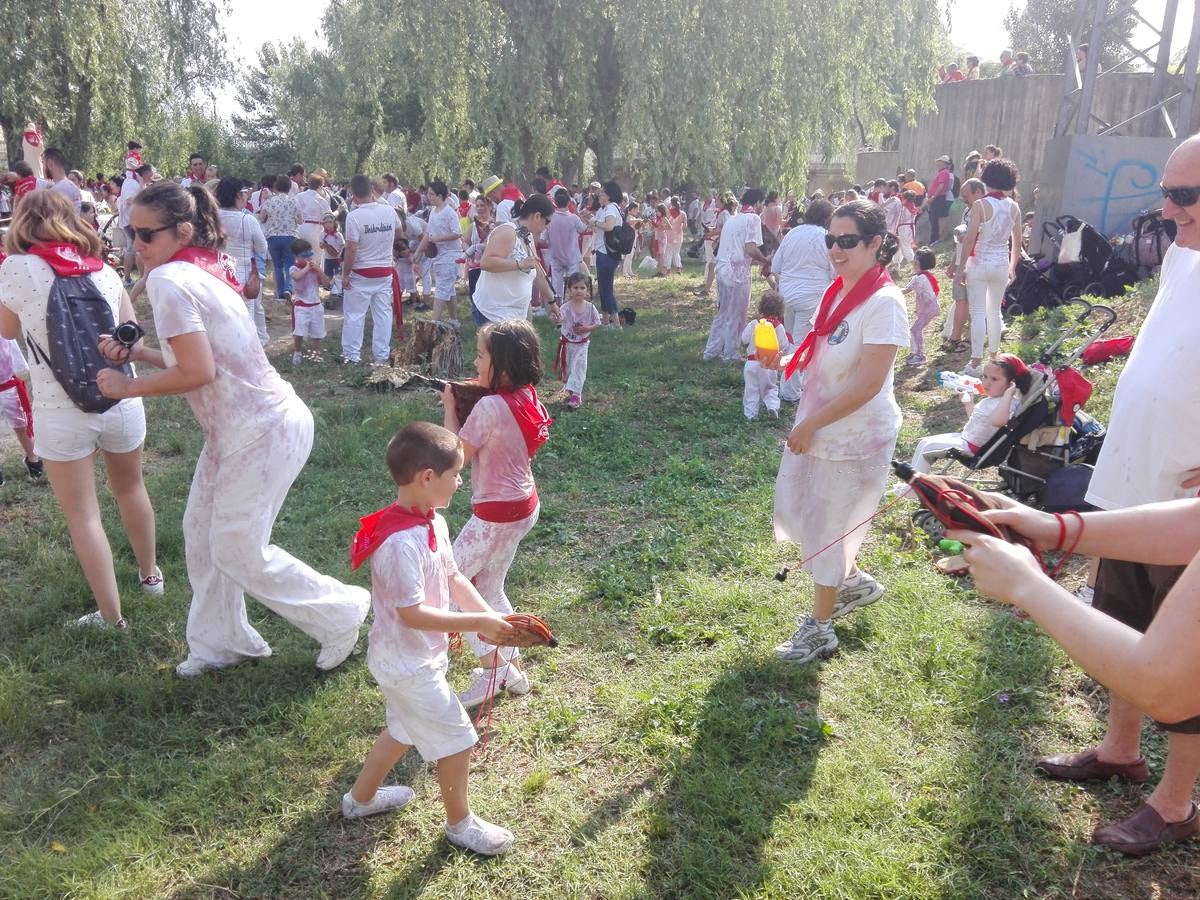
[[766, 341]]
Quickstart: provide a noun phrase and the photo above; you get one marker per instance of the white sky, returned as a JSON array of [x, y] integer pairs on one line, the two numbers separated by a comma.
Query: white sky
[[979, 27], [975, 26]]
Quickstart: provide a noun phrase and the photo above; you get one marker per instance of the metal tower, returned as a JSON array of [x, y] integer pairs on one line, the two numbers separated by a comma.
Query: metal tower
[[1171, 92]]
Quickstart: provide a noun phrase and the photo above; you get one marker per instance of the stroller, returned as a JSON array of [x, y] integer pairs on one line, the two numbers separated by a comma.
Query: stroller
[[1083, 263], [1045, 455]]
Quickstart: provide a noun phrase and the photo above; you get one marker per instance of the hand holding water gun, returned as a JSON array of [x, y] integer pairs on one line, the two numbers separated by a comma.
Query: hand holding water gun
[[961, 384]]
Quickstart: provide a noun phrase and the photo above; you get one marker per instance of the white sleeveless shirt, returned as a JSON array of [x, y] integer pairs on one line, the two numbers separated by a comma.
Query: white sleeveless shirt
[[992, 245]]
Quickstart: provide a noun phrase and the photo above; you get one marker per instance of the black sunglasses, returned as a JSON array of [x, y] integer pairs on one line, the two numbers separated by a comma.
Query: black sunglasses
[[146, 235], [1181, 196], [845, 241]]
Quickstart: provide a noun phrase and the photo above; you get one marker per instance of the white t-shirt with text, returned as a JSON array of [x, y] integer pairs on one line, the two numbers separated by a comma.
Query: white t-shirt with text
[[372, 227]]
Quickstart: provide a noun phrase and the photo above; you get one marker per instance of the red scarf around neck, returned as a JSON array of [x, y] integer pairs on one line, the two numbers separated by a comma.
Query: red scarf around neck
[[829, 318], [215, 264], [65, 259], [933, 282], [382, 524], [531, 416]]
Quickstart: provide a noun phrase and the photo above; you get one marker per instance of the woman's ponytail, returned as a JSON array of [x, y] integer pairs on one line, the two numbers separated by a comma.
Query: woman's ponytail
[[887, 248], [206, 221]]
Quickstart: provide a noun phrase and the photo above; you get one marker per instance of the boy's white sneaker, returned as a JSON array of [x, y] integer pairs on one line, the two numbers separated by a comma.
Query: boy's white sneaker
[[336, 652], [153, 583], [478, 836], [393, 796]]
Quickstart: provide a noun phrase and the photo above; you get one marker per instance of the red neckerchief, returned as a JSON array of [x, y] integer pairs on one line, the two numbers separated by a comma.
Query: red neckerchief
[[215, 264], [911, 206], [777, 322], [829, 318], [746, 209], [65, 259], [999, 195], [531, 416], [933, 282], [381, 525], [24, 186]]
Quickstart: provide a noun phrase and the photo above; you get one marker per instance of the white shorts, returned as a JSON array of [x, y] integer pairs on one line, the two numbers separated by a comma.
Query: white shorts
[[10, 409], [65, 435], [308, 321], [423, 712]]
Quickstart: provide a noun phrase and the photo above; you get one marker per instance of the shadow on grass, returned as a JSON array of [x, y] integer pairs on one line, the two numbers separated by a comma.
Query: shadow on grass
[[753, 751]]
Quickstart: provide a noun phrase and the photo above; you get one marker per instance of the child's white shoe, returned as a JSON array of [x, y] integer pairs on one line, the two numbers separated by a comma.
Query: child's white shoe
[[483, 685], [393, 796], [478, 836], [96, 620]]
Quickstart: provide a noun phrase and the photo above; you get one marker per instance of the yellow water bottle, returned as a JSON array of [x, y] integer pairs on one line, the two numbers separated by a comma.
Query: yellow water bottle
[[766, 341]]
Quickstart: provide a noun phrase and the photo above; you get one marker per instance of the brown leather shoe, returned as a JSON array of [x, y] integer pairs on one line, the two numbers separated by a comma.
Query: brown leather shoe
[[1084, 766], [1145, 831]]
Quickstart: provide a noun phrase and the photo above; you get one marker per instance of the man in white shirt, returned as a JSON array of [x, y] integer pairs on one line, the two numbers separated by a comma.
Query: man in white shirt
[[299, 183], [367, 273], [197, 169], [55, 165], [130, 188], [1151, 454], [392, 194], [77, 179], [709, 212], [740, 238]]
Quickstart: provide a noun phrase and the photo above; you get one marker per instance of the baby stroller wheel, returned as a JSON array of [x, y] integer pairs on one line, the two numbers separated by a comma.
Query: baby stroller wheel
[[929, 523]]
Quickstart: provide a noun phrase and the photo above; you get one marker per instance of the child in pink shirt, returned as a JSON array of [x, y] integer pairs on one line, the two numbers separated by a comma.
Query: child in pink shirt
[[924, 287]]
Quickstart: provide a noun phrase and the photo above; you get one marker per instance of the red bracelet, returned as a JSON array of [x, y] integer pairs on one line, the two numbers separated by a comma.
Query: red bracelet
[[1062, 540]]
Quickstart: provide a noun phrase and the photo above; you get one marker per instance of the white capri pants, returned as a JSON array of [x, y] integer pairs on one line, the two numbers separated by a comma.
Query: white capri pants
[[231, 510], [818, 501], [724, 340], [671, 255], [374, 294], [445, 273], [484, 552], [762, 386], [986, 282], [798, 314], [259, 316]]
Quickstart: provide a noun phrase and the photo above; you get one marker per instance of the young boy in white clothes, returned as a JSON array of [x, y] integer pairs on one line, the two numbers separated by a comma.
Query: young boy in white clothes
[[761, 384], [308, 313], [413, 582]]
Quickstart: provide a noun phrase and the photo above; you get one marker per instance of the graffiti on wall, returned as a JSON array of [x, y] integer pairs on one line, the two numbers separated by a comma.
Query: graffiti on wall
[[1110, 189]]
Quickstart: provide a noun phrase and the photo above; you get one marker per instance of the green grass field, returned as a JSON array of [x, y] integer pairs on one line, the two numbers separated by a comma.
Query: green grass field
[[663, 752]]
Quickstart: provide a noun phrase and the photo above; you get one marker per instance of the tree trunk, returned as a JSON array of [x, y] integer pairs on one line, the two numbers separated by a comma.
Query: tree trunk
[[602, 130]]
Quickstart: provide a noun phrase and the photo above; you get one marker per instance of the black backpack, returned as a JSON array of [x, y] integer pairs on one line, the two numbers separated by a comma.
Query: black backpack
[[619, 241], [76, 315]]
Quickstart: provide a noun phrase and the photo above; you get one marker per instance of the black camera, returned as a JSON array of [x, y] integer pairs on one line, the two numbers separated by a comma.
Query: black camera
[[128, 333]]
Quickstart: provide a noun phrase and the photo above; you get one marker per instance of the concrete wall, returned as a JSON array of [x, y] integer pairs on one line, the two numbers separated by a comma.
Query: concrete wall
[[1105, 181], [1016, 114]]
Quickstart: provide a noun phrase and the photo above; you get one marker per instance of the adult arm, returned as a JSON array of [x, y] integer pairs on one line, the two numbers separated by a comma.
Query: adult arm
[[497, 253], [1016, 242], [1157, 671], [258, 240], [348, 262], [608, 223], [194, 367], [877, 361], [973, 224], [10, 323]]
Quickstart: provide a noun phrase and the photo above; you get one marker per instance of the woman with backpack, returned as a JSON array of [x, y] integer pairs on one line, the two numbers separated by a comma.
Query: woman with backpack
[[48, 287], [604, 221], [257, 437]]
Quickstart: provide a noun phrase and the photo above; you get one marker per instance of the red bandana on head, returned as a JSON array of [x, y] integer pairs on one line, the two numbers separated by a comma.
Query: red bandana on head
[[382, 524], [215, 264], [532, 417], [65, 259], [829, 318]]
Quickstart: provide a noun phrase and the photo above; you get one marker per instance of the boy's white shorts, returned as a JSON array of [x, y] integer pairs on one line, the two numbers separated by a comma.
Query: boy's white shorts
[[423, 712], [308, 321]]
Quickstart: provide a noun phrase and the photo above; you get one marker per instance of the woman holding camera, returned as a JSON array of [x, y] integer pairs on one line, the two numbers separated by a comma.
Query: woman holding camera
[[257, 437], [47, 239]]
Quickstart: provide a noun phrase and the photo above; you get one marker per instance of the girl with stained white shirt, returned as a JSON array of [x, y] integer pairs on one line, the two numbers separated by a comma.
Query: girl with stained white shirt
[[835, 465], [48, 240], [257, 437]]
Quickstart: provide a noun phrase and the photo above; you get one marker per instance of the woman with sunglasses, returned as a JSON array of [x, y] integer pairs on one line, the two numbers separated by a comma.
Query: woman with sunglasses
[[835, 466], [47, 239], [245, 244], [257, 437]]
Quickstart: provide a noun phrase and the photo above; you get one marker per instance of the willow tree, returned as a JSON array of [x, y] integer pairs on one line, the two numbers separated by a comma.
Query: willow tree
[[93, 75]]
